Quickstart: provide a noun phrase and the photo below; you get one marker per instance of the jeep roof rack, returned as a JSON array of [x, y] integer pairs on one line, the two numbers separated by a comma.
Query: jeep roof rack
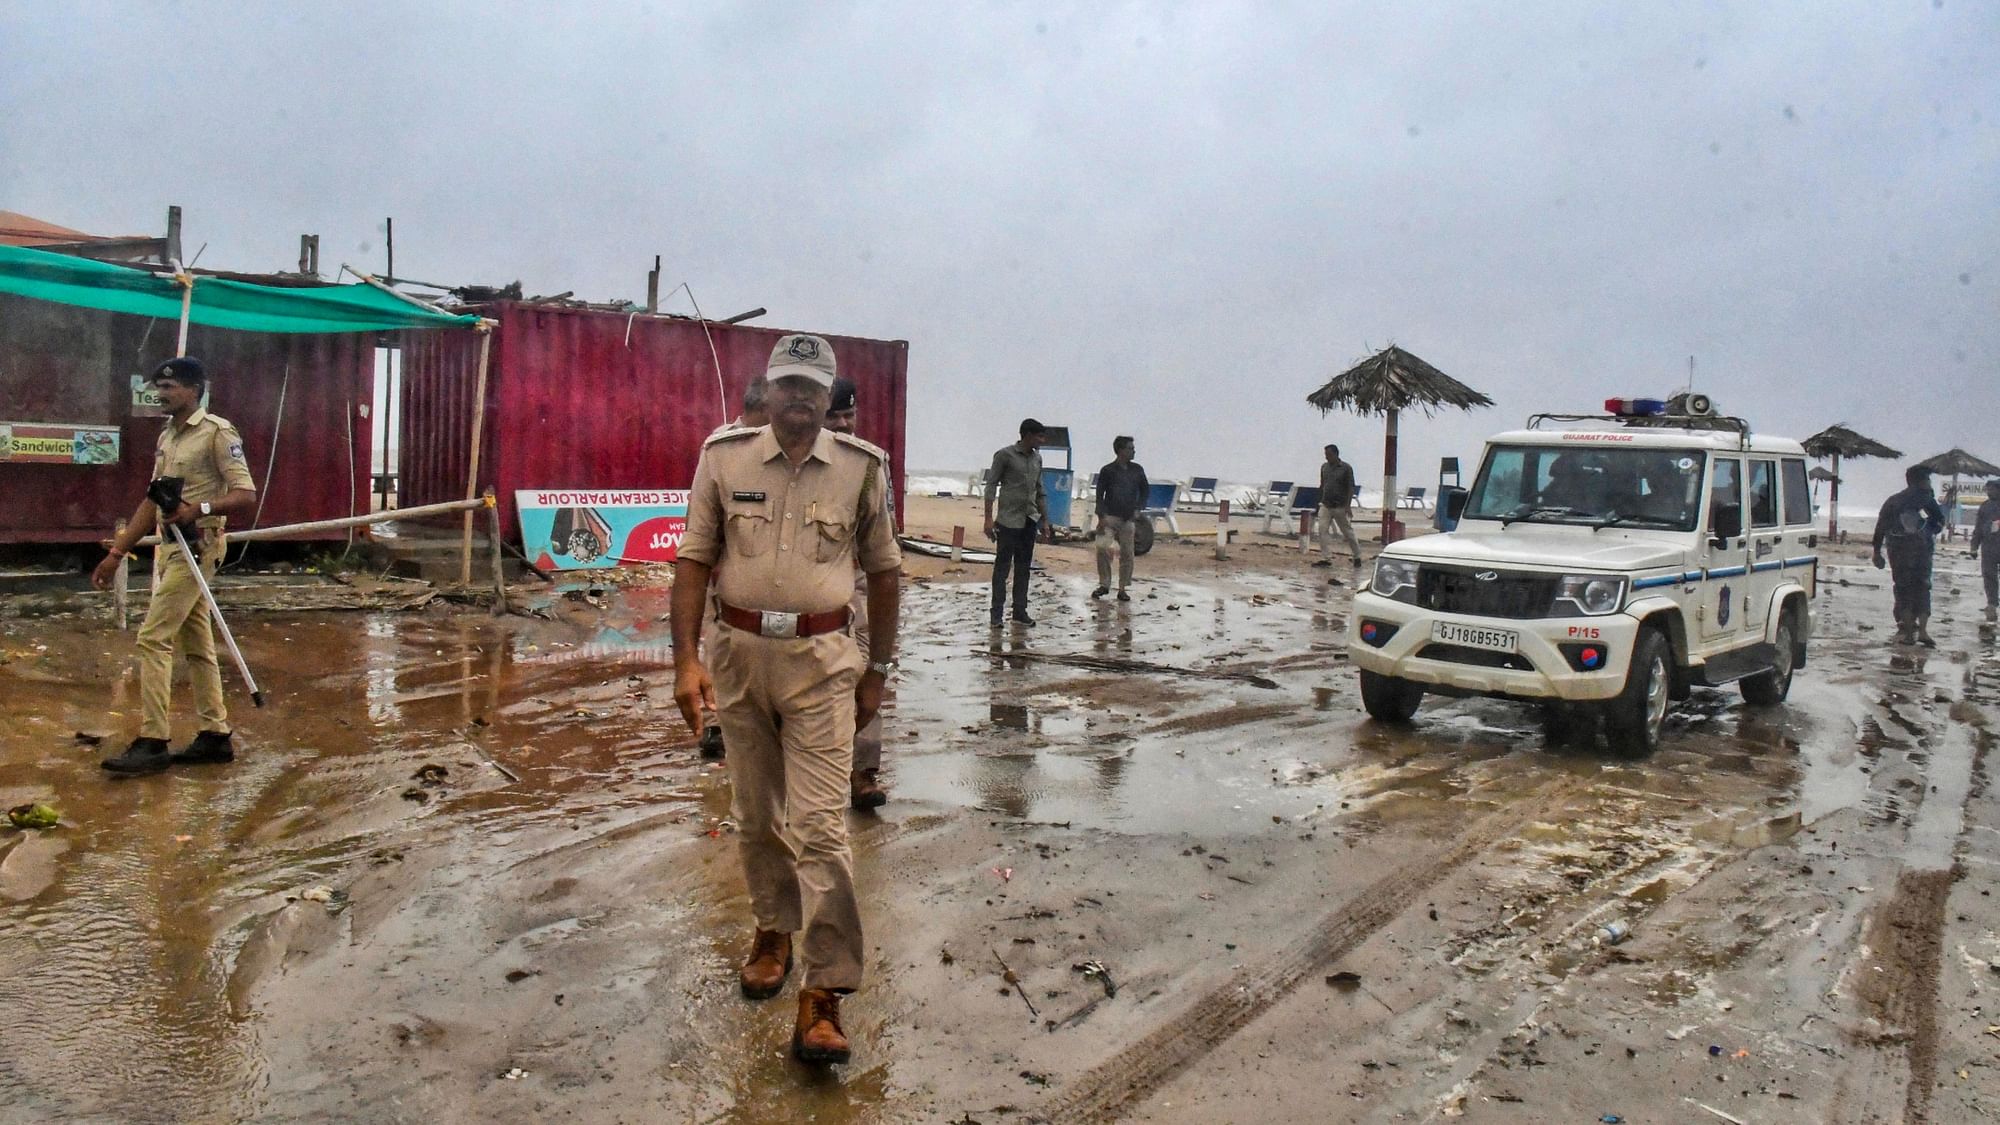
[[1734, 425]]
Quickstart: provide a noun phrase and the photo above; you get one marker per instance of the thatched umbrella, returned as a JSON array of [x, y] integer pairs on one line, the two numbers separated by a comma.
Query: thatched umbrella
[[1387, 383], [1835, 442], [1956, 462]]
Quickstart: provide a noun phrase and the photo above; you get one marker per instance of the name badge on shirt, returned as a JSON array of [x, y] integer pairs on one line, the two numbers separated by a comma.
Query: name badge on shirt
[[747, 496]]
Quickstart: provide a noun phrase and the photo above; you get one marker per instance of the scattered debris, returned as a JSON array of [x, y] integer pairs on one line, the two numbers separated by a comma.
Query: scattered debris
[[516, 976], [1614, 932], [514, 1074], [430, 775], [1107, 664], [1714, 1112], [34, 815], [1095, 970], [1006, 874], [87, 739], [316, 894], [1014, 979]]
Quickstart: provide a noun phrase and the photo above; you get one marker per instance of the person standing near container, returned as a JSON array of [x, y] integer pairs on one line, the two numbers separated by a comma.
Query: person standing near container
[[777, 519], [1122, 488], [1986, 547], [864, 781], [1336, 501], [206, 453], [1907, 527], [1015, 480]]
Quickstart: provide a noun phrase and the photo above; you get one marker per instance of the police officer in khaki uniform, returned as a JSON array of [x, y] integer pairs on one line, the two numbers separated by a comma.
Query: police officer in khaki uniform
[[778, 518], [206, 452]]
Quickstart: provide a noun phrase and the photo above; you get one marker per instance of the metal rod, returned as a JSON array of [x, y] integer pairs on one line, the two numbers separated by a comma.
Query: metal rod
[[186, 282], [121, 593], [370, 279], [743, 316], [499, 565], [472, 468], [215, 611], [287, 531]]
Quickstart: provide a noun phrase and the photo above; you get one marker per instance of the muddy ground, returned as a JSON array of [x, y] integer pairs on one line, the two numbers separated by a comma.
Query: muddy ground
[[547, 930]]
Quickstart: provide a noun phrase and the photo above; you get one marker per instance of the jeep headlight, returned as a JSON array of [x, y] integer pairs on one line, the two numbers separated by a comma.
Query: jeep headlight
[[1589, 595], [1395, 578]]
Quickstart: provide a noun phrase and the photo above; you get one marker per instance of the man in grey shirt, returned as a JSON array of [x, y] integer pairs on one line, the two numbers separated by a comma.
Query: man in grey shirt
[[1336, 496], [1016, 480]]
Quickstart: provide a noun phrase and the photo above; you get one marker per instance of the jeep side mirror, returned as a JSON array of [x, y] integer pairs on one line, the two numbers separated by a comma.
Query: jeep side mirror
[[1726, 523], [1450, 509]]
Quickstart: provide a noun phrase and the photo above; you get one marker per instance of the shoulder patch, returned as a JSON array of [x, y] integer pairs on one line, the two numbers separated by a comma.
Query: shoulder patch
[[874, 451], [727, 435]]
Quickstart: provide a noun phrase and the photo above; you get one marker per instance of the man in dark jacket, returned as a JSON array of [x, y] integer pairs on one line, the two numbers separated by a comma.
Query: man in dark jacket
[[1907, 528], [1121, 494], [1986, 546], [1336, 498]]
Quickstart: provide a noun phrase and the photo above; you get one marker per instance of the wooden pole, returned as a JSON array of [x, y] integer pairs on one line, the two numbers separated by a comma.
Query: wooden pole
[[653, 287], [120, 595], [499, 566], [1833, 502], [958, 543], [1389, 479], [472, 465], [287, 531], [1222, 530]]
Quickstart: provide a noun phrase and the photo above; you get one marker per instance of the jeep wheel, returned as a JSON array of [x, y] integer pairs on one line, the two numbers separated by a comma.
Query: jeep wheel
[[1634, 719], [1767, 688], [1389, 699]]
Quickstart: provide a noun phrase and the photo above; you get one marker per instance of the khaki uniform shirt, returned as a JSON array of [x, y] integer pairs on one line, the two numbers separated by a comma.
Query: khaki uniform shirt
[[206, 452], [786, 538]]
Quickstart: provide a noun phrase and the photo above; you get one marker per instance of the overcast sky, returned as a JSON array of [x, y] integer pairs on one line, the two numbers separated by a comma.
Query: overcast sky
[[1168, 220]]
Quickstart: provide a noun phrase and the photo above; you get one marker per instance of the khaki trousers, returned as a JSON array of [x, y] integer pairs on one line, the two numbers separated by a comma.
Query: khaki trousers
[[177, 617], [1330, 518], [1116, 533], [787, 708]]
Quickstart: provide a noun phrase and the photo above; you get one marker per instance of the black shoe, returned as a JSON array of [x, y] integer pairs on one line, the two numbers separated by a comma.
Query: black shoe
[[1123, 596], [208, 748], [1100, 592], [711, 742], [1021, 617], [1324, 562], [144, 756], [996, 619]]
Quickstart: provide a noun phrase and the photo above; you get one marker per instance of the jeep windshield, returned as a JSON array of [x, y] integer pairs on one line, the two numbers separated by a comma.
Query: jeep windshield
[[1592, 487]]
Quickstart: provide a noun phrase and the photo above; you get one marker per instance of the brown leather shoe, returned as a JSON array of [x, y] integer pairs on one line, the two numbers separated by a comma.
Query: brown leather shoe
[[818, 1038], [769, 964], [865, 790]]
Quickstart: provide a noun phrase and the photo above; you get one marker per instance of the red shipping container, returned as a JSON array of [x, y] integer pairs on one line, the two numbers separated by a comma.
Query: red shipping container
[[603, 400], [60, 364]]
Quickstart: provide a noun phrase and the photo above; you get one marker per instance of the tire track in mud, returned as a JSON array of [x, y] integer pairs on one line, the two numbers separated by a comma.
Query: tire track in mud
[[1111, 1088], [1909, 940]]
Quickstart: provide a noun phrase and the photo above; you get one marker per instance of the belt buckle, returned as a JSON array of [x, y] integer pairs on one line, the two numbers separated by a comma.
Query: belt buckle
[[783, 626]]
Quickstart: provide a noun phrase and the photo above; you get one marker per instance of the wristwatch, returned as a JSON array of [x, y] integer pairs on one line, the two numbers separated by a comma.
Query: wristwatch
[[205, 509], [887, 669]]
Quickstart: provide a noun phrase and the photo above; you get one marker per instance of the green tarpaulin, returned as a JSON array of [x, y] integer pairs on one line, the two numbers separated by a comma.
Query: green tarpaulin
[[237, 305]]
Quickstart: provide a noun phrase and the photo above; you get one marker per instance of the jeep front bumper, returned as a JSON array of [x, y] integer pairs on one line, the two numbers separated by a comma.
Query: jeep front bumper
[[1547, 662]]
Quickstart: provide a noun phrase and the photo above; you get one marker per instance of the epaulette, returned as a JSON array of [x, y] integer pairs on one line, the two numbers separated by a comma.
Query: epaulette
[[728, 435], [874, 451]]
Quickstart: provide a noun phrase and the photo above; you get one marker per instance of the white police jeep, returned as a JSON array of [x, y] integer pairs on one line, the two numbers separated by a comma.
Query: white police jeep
[[1603, 564]]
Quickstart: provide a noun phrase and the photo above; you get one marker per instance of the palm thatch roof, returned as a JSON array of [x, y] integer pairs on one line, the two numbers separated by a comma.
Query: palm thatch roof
[[1838, 439], [1957, 462], [1393, 379]]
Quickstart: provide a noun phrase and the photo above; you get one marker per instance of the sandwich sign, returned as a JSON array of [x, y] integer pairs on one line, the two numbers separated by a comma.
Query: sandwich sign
[[583, 529]]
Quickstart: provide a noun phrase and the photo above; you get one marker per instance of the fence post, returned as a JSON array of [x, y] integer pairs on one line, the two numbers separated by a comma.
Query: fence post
[[1222, 530]]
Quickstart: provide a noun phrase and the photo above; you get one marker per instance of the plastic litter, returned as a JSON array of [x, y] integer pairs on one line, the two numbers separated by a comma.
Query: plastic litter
[[1614, 932], [317, 894], [35, 815]]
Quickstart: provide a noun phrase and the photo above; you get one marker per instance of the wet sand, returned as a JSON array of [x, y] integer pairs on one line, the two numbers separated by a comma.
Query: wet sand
[[550, 930]]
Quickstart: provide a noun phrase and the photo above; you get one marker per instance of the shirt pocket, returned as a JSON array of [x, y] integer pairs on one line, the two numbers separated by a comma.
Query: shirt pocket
[[833, 536], [746, 530]]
